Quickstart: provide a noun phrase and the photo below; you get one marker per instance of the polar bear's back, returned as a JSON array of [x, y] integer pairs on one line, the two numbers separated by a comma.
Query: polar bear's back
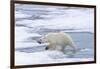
[[59, 38]]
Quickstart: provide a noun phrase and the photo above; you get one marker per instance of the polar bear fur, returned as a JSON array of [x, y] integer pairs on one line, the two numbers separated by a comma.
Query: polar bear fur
[[57, 41]]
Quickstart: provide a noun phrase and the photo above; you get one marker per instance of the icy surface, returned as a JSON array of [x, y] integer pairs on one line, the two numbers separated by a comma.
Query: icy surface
[[34, 21], [45, 57]]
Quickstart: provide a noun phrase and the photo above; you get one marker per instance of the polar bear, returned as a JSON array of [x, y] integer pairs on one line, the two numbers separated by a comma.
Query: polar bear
[[57, 41]]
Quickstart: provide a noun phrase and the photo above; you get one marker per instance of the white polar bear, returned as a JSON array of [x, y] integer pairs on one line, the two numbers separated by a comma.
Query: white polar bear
[[57, 41]]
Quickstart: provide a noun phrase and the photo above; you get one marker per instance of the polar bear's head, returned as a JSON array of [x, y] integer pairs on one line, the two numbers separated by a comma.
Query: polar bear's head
[[43, 40]]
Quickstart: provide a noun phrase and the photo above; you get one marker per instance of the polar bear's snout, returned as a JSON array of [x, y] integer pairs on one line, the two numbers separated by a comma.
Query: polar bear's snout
[[46, 48], [39, 41]]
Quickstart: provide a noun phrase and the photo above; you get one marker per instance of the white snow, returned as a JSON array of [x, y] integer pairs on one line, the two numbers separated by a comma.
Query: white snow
[[21, 33], [30, 44], [72, 19], [45, 57], [21, 15], [25, 22]]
